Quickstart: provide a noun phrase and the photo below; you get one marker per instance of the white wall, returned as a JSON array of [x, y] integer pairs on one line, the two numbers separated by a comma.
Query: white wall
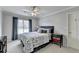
[[59, 21], [0, 22], [34, 24], [7, 24]]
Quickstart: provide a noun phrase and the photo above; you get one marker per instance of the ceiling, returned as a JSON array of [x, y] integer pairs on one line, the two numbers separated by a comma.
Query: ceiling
[[44, 10]]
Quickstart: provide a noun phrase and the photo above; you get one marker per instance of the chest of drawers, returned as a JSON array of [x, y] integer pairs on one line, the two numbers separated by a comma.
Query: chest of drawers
[[3, 44]]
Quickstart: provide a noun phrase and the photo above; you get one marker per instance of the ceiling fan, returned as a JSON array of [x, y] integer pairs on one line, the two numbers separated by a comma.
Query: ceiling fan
[[33, 11]]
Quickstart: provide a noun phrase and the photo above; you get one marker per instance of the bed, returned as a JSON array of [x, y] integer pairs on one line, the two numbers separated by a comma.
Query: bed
[[33, 41]]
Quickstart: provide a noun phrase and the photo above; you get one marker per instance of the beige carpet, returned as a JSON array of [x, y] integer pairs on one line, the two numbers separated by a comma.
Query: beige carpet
[[52, 48], [16, 47]]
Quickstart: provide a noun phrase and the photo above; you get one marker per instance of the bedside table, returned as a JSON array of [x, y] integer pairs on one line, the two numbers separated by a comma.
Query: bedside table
[[57, 39]]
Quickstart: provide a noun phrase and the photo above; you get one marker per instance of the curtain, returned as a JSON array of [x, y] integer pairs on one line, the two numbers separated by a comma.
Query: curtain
[[14, 30], [30, 25]]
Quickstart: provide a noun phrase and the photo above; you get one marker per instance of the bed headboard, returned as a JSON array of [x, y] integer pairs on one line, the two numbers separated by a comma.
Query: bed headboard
[[48, 27]]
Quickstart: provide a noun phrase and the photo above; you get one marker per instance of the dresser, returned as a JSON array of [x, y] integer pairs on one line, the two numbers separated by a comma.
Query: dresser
[[3, 44]]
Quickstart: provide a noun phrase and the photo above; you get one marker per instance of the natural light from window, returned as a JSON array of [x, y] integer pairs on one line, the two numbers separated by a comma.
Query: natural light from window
[[23, 26]]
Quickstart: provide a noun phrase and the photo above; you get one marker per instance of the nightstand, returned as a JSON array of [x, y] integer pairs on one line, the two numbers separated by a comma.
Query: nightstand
[[57, 39]]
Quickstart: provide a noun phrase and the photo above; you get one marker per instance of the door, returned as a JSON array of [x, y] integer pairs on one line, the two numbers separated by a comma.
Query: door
[[72, 31], [77, 21]]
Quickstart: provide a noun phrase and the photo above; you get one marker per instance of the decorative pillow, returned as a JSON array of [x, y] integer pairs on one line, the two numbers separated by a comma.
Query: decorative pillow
[[43, 31]]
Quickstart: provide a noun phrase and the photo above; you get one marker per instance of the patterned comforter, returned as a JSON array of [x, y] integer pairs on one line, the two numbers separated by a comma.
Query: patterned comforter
[[33, 39]]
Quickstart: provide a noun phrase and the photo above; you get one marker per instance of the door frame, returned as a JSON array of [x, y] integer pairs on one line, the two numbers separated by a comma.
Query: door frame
[[75, 18]]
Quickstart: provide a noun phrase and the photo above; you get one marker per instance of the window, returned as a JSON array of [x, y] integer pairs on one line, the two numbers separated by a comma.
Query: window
[[26, 26], [23, 26]]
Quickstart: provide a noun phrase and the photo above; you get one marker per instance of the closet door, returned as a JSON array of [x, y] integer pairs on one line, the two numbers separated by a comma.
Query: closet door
[[77, 21], [72, 31]]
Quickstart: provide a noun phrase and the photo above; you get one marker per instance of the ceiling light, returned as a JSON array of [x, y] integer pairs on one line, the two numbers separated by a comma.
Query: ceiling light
[[35, 10]]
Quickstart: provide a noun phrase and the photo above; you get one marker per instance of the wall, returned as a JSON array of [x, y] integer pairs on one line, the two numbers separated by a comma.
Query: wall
[[0, 22], [59, 21], [34, 24], [7, 24]]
